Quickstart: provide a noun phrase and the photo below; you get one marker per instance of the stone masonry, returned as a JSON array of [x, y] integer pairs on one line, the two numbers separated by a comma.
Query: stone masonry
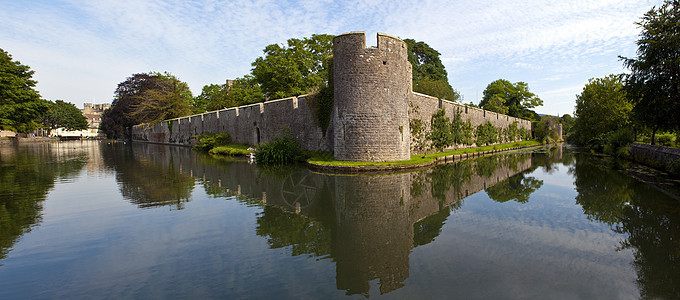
[[373, 104]]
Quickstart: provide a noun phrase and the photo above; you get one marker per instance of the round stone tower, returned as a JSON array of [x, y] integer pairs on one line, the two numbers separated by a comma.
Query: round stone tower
[[371, 98]]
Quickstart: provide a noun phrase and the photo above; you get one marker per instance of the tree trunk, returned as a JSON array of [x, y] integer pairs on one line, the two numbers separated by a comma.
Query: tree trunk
[[653, 136]]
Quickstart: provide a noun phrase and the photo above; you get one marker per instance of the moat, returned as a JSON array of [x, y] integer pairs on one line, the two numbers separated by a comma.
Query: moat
[[112, 220]]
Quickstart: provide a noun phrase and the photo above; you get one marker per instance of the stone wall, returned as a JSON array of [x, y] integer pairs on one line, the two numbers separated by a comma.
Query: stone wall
[[250, 124], [373, 103], [654, 154], [422, 107]]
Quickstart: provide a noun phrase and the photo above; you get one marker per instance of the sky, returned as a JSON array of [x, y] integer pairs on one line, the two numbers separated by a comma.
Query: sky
[[81, 50]]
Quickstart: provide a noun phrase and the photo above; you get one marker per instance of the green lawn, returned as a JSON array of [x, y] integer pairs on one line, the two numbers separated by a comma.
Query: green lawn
[[326, 158], [231, 150]]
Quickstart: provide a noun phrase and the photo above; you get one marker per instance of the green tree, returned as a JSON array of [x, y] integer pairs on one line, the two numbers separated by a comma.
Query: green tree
[[212, 97], [429, 75], [245, 90], [546, 129], [63, 114], [299, 68], [654, 81], [440, 134], [171, 99], [145, 98], [516, 100], [602, 107], [20, 103]]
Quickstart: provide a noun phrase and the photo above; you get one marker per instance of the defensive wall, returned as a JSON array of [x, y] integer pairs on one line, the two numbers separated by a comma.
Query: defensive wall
[[370, 120]]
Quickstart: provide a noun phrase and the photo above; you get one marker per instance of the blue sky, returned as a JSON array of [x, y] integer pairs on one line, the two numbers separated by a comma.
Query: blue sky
[[81, 50]]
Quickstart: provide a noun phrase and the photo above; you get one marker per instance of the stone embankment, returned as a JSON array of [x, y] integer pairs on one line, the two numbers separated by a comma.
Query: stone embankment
[[654, 155]]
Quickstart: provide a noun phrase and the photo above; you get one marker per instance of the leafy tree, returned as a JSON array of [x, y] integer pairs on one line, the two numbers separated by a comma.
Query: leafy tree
[[546, 129], [654, 81], [299, 68], [171, 99], [486, 134], [429, 75], [602, 107], [63, 114], [440, 133], [245, 90], [212, 97], [516, 100], [20, 103], [145, 98]]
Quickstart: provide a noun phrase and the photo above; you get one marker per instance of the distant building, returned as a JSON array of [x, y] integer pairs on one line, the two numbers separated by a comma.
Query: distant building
[[93, 113]]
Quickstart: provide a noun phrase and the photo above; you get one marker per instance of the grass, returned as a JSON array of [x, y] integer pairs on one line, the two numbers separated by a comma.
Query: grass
[[326, 158], [231, 150]]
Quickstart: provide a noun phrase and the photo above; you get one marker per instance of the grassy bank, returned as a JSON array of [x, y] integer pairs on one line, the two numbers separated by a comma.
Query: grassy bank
[[326, 158], [231, 150]]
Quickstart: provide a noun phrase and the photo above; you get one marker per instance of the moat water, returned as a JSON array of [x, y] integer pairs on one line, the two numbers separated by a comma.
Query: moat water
[[113, 220]]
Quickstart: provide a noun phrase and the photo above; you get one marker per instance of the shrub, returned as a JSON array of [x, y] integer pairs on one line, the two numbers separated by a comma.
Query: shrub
[[211, 140], [283, 150], [486, 134], [673, 167], [665, 139]]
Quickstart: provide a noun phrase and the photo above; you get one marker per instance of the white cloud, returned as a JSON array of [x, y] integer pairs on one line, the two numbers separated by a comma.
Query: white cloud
[[209, 41]]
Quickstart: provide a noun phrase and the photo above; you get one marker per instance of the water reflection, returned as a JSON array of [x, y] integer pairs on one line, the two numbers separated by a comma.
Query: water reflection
[[25, 180], [149, 178], [370, 226]]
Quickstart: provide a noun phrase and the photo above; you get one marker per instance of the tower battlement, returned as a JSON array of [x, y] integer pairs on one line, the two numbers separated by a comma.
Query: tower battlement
[[371, 87]]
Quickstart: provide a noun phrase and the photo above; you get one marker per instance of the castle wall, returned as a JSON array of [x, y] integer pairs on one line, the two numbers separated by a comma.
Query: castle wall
[[373, 104], [423, 107], [250, 124]]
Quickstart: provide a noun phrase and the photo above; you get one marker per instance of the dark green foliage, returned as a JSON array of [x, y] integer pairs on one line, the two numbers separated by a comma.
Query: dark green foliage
[[486, 134], [299, 68], [546, 130], [429, 75], [63, 114], [20, 103], [440, 135], [462, 131], [418, 135], [618, 142], [283, 150], [516, 100], [325, 98], [208, 141], [654, 81]]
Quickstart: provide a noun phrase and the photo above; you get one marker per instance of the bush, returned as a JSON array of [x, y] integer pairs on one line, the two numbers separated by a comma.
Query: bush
[[283, 150], [486, 134], [665, 139], [620, 139], [211, 140]]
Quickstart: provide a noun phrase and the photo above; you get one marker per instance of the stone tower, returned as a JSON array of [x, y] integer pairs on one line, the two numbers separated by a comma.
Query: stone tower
[[371, 98]]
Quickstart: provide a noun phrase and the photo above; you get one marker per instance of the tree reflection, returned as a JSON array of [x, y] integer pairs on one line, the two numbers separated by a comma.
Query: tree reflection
[[649, 219], [27, 174], [517, 188], [146, 180], [602, 191]]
